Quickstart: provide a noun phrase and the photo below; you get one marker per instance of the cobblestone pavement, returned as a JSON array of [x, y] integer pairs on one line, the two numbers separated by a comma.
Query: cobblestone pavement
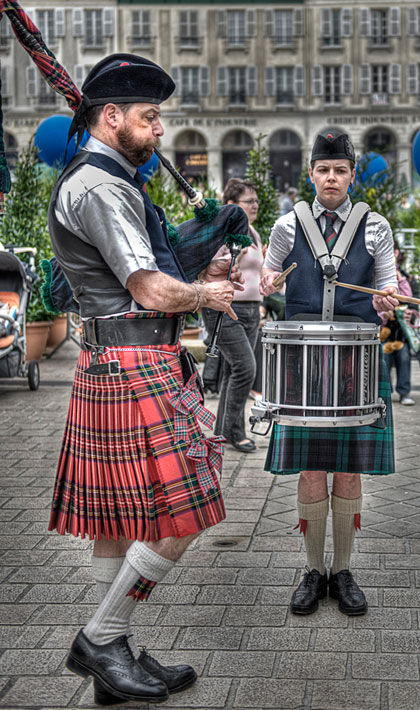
[[224, 608]]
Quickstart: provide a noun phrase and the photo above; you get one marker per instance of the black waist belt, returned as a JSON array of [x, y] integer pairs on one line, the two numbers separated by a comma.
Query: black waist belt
[[115, 332]]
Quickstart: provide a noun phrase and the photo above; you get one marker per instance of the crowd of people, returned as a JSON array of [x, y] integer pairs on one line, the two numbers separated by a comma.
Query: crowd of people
[[136, 472]]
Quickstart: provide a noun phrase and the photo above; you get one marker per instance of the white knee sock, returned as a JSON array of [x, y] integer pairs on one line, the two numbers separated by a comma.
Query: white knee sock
[[112, 617], [313, 521], [104, 571], [344, 529]]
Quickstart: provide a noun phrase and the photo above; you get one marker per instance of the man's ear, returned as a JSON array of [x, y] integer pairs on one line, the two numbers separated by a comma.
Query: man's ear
[[112, 115]]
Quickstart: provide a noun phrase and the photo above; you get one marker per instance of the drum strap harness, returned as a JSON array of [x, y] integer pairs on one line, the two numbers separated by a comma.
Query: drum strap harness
[[329, 262]]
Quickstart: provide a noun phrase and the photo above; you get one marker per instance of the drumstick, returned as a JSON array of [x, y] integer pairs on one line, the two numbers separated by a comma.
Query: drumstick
[[363, 289], [282, 276]]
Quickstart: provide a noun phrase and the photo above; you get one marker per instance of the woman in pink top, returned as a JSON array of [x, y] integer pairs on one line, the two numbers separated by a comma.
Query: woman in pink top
[[237, 338]]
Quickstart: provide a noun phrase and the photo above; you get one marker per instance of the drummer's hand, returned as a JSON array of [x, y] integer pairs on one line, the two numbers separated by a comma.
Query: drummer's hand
[[218, 270], [386, 303], [218, 295], [266, 283]]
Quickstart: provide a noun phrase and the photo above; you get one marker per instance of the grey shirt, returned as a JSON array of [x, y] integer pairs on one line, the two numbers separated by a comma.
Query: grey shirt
[[107, 212], [378, 239]]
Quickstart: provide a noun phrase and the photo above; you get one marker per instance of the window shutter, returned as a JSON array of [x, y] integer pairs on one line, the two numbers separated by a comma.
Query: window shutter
[[108, 20], [365, 22], [326, 23], [251, 81], [269, 87], [5, 26], [413, 24], [31, 82], [135, 23], [5, 89], [347, 79], [298, 22], [317, 80], [346, 21], [394, 22], [221, 23], [222, 81], [176, 76], [251, 23], [299, 80], [412, 78], [395, 79], [78, 22], [79, 74], [204, 80], [60, 22], [365, 78], [269, 23]]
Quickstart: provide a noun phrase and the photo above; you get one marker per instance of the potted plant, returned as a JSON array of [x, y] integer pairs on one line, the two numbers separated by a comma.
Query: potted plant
[[25, 223]]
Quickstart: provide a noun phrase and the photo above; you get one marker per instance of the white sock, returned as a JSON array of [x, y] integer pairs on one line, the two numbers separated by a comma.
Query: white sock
[[112, 617], [104, 571]]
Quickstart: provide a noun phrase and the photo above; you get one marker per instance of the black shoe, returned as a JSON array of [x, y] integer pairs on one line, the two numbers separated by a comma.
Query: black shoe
[[176, 678], [116, 669], [351, 599], [312, 588], [246, 447]]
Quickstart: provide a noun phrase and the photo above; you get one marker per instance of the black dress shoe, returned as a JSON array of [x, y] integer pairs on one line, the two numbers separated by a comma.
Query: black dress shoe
[[116, 669], [246, 447], [312, 588], [176, 678], [351, 599]]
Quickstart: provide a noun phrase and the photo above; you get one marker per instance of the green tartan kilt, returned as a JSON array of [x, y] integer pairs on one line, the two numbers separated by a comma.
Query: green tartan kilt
[[364, 449]]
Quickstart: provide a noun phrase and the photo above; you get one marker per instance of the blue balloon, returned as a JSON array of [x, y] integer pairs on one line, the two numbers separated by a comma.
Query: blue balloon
[[148, 169], [416, 152], [51, 141], [372, 168]]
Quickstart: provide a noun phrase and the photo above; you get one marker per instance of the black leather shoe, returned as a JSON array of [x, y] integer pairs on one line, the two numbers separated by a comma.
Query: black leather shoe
[[246, 447], [351, 599], [116, 669], [312, 588], [176, 678]]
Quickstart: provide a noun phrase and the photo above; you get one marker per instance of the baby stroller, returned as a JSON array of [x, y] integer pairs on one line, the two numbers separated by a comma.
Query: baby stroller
[[16, 284]]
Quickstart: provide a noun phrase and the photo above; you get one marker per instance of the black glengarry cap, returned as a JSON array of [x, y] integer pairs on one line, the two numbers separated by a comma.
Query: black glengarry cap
[[333, 144]]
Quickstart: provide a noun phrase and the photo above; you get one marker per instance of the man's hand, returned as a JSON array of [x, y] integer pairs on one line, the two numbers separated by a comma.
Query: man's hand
[[386, 303], [266, 283], [218, 269], [218, 295]]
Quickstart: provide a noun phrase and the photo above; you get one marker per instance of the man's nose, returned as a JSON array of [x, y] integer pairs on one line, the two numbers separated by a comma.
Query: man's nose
[[159, 129]]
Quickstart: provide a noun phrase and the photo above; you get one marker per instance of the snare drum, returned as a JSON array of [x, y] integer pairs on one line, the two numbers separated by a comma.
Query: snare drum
[[322, 374]]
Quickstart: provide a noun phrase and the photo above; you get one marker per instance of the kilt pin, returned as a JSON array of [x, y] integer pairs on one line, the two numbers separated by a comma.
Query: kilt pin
[[135, 462]]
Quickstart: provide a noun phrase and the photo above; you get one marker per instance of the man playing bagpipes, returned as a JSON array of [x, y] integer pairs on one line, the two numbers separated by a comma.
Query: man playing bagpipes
[[135, 473]]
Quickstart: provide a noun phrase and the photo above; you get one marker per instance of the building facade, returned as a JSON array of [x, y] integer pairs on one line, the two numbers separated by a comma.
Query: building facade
[[285, 70]]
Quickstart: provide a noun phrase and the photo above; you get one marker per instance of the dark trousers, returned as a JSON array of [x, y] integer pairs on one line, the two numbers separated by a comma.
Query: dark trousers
[[402, 361], [236, 343]]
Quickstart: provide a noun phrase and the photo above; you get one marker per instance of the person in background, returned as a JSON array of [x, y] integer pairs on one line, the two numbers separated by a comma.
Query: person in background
[[286, 204], [237, 338]]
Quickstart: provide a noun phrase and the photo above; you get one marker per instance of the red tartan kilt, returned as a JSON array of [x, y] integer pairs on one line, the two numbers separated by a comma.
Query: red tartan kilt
[[124, 471]]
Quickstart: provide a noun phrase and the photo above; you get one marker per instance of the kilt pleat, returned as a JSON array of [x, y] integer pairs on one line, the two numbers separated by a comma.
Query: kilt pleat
[[364, 449], [123, 470]]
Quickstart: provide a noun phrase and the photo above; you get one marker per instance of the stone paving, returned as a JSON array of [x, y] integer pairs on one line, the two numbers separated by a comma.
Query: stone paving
[[224, 608]]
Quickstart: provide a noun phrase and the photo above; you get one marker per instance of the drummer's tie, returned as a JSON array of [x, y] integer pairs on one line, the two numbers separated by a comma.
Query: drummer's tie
[[330, 235]]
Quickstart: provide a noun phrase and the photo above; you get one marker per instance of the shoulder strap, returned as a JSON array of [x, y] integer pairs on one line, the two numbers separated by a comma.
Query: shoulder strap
[[345, 239], [311, 230]]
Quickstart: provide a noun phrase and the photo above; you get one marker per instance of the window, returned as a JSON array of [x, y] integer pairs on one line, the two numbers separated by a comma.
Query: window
[[379, 78], [332, 85], [45, 22], [5, 31], [284, 85], [94, 36], [46, 95], [236, 33], [190, 86], [188, 28], [283, 28], [237, 85], [413, 21], [141, 28], [331, 28], [379, 27]]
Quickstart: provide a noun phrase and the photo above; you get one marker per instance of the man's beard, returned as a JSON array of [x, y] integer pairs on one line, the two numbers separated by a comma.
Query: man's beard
[[137, 155]]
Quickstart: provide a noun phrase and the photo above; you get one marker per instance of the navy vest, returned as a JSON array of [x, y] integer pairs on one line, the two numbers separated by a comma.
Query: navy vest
[[305, 285]]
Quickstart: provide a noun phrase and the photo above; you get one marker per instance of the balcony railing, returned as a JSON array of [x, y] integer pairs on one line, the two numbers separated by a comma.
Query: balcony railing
[[379, 98]]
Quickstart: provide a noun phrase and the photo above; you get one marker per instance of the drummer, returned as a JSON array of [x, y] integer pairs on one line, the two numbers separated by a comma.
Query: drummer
[[347, 451]]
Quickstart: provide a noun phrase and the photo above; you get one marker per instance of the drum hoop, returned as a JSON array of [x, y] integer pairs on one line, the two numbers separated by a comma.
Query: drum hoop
[[303, 341]]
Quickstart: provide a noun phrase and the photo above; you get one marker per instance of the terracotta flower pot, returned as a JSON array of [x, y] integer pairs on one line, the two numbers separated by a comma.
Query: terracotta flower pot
[[191, 332], [57, 332], [36, 339]]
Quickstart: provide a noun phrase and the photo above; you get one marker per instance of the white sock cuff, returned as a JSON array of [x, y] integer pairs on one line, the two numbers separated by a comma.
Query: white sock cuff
[[346, 506], [147, 562], [313, 511], [105, 569]]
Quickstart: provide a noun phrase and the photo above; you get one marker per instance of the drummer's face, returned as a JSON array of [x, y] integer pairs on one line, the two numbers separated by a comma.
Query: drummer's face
[[332, 179]]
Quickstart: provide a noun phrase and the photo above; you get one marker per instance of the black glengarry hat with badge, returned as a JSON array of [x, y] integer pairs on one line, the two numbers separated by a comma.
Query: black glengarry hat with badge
[[333, 144], [121, 78]]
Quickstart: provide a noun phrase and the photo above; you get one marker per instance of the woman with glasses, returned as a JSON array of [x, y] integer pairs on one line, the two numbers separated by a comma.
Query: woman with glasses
[[237, 338]]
